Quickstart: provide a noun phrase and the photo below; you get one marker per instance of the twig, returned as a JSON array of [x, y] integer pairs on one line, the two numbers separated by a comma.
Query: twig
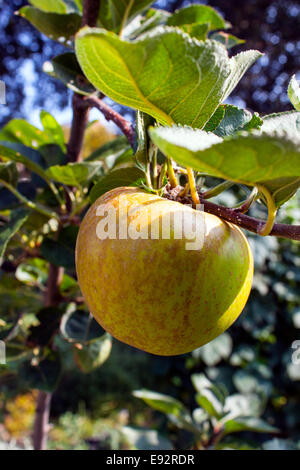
[[250, 223], [232, 215], [111, 115]]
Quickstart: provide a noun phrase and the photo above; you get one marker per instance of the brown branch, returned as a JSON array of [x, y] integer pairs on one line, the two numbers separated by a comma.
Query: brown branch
[[81, 112], [90, 12], [111, 115], [250, 223], [42, 412], [232, 215], [79, 123], [41, 424]]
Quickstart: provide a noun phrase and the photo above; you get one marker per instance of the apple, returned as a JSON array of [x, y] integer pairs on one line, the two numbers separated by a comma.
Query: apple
[[168, 292]]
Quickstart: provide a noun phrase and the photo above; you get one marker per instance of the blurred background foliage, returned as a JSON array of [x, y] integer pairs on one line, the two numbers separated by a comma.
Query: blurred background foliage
[[98, 410]]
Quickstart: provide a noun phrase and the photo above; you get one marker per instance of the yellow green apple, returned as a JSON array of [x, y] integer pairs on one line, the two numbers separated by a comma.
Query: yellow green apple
[[159, 275]]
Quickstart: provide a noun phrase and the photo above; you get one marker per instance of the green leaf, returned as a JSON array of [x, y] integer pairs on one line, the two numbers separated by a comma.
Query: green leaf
[[196, 31], [65, 67], [143, 121], [60, 27], [294, 93], [215, 119], [51, 6], [113, 149], [93, 354], [210, 401], [53, 129], [234, 119], [20, 131], [160, 402], [146, 439], [248, 424], [286, 123], [9, 154], [115, 14], [115, 179], [271, 159], [17, 219], [75, 174], [77, 326], [44, 375], [9, 173], [61, 252], [184, 72], [197, 14], [228, 40]]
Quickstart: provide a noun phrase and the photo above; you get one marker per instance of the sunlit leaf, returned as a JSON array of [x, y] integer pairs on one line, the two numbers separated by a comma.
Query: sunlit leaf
[[60, 27], [189, 78], [53, 129], [197, 14], [294, 93], [160, 402], [21, 132], [115, 14], [52, 6], [270, 158], [75, 174]]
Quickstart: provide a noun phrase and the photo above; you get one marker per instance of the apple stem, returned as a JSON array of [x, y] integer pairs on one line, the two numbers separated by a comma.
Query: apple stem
[[192, 184], [171, 174]]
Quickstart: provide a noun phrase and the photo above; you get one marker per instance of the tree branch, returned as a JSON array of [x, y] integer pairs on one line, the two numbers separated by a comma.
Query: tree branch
[[90, 12], [234, 216], [42, 412], [111, 115], [41, 424], [250, 223], [81, 112]]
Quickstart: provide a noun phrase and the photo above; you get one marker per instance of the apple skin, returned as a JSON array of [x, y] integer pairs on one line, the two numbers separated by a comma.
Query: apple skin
[[156, 295]]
